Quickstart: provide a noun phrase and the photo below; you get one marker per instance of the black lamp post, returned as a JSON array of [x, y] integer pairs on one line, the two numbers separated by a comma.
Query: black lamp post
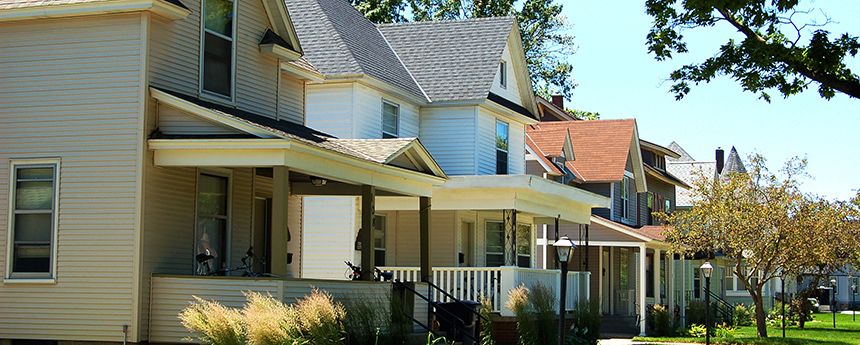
[[564, 246], [707, 269], [853, 305], [833, 300]]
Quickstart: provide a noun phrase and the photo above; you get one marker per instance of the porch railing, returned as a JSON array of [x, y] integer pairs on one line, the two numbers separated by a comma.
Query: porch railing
[[493, 283]]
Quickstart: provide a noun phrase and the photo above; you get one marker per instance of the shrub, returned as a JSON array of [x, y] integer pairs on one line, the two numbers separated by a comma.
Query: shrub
[[399, 325], [742, 316], [543, 302], [725, 331], [213, 323], [586, 323], [269, 321], [696, 330], [366, 314], [488, 334], [321, 318], [659, 321], [518, 301], [696, 316]]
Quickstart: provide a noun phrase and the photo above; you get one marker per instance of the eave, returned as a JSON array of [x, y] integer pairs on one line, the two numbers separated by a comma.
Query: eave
[[159, 7]]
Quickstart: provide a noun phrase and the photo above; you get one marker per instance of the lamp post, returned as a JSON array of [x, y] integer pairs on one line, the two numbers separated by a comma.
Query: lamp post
[[853, 305], [707, 269], [833, 300], [782, 291], [564, 246]]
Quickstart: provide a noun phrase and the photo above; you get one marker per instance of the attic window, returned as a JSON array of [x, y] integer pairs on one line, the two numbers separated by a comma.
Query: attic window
[[503, 74], [660, 162]]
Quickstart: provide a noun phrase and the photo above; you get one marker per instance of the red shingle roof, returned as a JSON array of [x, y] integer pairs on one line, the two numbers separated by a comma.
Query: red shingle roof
[[600, 147]]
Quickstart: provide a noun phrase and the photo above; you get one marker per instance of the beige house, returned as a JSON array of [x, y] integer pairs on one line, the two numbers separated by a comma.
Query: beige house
[[138, 134]]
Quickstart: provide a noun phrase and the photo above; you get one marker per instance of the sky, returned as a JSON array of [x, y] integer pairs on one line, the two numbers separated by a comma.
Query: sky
[[619, 79]]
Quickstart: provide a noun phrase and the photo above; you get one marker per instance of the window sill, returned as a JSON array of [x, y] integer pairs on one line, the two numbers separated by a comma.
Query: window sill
[[49, 280], [217, 98]]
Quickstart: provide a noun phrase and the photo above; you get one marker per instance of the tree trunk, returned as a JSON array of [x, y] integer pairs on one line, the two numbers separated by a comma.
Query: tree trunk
[[760, 316]]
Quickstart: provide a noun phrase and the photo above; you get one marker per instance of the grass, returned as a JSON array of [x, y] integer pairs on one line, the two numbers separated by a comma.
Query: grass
[[819, 331]]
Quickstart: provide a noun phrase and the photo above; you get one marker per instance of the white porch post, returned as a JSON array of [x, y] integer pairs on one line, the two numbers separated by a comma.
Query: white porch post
[[683, 292], [600, 276], [642, 286], [280, 210], [670, 277], [611, 281], [368, 210], [509, 279], [656, 273]]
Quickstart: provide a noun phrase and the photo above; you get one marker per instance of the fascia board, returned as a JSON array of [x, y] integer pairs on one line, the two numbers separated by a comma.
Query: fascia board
[[612, 226], [638, 167], [546, 168], [302, 73], [506, 113], [159, 7], [419, 150], [664, 179], [279, 51], [526, 88], [210, 115], [375, 84]]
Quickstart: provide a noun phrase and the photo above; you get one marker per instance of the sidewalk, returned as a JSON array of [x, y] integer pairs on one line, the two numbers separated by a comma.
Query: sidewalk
[[620, 341]]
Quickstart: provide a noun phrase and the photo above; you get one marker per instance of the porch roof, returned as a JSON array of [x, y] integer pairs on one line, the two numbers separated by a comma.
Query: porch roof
[[542, 198], [400, 166], [650, 234]]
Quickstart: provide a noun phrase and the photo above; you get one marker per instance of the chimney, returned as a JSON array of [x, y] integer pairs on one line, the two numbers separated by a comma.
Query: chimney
[[720, 160], [558, 100]]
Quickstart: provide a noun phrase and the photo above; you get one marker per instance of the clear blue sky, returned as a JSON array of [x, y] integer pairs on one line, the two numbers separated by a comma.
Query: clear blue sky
[[619, 79]]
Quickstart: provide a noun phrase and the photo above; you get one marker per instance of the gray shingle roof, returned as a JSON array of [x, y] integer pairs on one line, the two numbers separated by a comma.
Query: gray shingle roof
[[689, 172], [685, 157], [451, 59], [377, 150], [733, 164], [339, 41]]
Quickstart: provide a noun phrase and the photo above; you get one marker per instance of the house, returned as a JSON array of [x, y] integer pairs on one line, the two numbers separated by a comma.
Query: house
[[622, 246], [463, 89], [139, 134]]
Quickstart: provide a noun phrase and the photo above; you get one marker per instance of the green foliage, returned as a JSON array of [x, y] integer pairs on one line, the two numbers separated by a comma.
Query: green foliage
[[696, 315], [659, 321], [366, 313], [582, 114], [695, 330], [724, 330], [542, 28], [518, 302], [742, 316], [213, 323], [770, 57], [488, 334], [586, 324], [543, 302]]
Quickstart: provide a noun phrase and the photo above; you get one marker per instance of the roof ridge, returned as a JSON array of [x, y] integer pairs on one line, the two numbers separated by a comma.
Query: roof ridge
[[448, 21], [408, 71]]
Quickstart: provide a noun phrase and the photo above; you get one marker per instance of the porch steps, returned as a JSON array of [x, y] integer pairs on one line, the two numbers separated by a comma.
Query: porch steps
[[618, 326]]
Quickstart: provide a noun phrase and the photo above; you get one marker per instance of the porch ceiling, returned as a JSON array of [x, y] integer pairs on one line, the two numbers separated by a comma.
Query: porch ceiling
[[539, 197]]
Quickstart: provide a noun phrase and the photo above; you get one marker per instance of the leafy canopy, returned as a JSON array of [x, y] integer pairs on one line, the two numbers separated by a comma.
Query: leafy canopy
[[770, 57], [766, 227], [542, 27]]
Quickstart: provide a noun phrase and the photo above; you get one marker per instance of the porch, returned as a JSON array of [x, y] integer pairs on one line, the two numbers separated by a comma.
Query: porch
[[476, 283]]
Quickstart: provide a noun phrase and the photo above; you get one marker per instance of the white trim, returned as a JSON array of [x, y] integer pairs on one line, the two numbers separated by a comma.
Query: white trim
[[41, 278], [279, 51], [396, 106], [503, 74], [302, 73], [159, 7]]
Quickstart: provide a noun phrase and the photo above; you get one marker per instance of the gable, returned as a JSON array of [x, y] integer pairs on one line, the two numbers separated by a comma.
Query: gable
[[517, 86]]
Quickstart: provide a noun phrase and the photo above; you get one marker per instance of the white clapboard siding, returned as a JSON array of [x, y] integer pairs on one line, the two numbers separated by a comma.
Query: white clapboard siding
[[448, 133], [329, 232], [294, 222], [175, 121], [329, 109], [80, 105], [291, 101], [171, 294], [517, 148], [485, 138], [511, 92], [174, 51], [443, 250], [256, 73], [241, 213], [367, 112]]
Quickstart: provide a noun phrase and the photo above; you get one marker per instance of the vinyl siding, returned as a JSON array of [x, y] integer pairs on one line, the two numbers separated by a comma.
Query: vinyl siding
[[174, 52], [449, 136], [512, 91], [486, 142], [329, 231], [81, 106], [291, 99], [443, 226], [175, 121], [329, 109], [256, 73]]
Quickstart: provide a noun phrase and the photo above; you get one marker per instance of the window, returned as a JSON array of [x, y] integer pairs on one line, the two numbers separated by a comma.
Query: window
[[218, 45], [495, 244], [660, 162], [33, 221], [524, 245], [625, 197], [213, 202], [649, 275], [379, 240], [501, 148], [390, 119], [503, 74]]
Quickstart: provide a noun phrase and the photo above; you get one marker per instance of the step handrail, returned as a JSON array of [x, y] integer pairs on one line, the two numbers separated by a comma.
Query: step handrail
[[437, 306], [455, 299]]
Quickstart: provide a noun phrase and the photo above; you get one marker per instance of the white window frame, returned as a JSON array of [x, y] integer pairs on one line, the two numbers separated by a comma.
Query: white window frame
[[486, 231], [228, 252], [503, 74], [625, 198], [50, 277], [210, 95], [396, 106], [381, 220], [507, 150]]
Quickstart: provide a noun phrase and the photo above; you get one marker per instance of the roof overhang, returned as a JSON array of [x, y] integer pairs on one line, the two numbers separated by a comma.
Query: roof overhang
[[626, 231], [166, 9], [538, 197], [638, 167], [653, 172], [283, 26], [657, 148], [544, 106], [295, 155], [302, 73], [376, 84]]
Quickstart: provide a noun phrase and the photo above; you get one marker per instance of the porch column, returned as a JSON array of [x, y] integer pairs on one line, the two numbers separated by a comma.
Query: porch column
[[611, 281], [510, 227], [368, 209], [424, 237], [280, 197], [600, 273], [683, 292], [642, 286], [670, 277], [656, 274]]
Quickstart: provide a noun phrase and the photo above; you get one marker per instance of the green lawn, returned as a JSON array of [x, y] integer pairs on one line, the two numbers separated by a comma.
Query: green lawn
[[820, 331]]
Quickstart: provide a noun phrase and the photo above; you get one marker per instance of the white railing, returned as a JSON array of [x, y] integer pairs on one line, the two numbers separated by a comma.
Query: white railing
[[475, 283]]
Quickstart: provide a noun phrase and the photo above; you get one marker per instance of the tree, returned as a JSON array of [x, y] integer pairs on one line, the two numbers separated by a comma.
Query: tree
[[542, 27], [769, 57], [765, 225], [582, 114]]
